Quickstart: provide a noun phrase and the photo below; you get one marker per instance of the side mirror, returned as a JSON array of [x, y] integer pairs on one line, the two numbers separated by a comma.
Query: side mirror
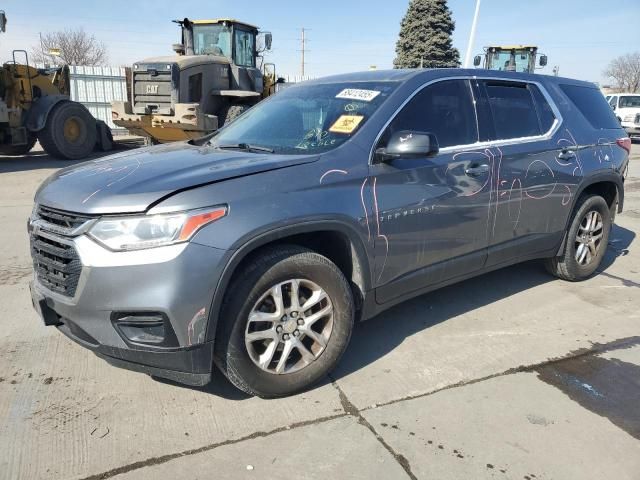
[[178, 48], [476, 60], [3, 21], [268, 39], [409, 144], [543, 60]]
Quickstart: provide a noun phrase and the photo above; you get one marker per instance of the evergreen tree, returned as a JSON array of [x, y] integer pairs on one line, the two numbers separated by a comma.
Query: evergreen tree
[[425, 36]]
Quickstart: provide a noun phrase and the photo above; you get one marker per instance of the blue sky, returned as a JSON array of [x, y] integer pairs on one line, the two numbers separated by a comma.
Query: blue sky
[[580, 36]]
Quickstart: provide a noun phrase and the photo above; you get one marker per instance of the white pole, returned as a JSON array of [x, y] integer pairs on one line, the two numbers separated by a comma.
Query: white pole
[[467, 58]]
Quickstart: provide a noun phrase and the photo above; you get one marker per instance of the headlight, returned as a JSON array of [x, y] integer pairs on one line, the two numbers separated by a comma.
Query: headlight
[[148, 231]]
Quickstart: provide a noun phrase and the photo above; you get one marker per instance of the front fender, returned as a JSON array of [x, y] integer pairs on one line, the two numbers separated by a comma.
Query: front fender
[[254, 240], [39, 111]]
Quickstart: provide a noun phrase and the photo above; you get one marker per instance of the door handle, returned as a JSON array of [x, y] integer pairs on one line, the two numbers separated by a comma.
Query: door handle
[[476, 170], [567, 154]]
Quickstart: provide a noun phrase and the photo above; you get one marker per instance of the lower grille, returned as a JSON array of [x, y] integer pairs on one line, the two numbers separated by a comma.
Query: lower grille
[[56, 264]]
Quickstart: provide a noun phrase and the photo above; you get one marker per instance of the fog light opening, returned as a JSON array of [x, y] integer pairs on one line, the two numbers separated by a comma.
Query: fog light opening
[[145, 328]]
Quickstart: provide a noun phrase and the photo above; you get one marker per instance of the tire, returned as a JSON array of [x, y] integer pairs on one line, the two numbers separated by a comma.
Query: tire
[[104, 137], [276, 267], [231, 112], [15, 150], [567, 266], [70, 132]]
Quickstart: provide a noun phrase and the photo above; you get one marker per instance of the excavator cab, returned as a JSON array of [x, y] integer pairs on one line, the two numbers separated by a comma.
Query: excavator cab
[[511, 58]]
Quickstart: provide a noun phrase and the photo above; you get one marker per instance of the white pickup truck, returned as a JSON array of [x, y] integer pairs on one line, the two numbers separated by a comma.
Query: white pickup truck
[[627, 109]]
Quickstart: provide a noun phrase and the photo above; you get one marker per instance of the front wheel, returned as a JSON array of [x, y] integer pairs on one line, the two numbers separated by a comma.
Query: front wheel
[[586, 242], [16, 150], [285, 322]]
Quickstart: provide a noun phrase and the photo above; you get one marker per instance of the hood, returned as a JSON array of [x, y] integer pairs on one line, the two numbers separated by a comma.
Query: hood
[[184, 61], [131, 181]]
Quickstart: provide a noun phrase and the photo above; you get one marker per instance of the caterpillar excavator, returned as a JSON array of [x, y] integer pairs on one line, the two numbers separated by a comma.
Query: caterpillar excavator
[[511, 58], [213, 77], [35, 105]]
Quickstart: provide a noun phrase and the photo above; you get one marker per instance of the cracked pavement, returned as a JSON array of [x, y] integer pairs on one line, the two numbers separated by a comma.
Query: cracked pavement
[[512, 375]]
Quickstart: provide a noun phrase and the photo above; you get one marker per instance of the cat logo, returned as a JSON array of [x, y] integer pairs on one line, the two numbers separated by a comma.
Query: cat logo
[[151, 89]]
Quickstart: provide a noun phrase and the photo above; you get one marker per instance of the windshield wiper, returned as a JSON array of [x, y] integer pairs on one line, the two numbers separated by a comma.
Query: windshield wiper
[[246, 147]]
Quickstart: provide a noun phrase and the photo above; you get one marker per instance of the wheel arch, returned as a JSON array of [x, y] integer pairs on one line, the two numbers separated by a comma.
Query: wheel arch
[[40, 110], [334, 239], [608, 185]]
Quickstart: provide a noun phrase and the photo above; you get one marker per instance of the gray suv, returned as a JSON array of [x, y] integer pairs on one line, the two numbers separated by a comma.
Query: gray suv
[[256, 249]]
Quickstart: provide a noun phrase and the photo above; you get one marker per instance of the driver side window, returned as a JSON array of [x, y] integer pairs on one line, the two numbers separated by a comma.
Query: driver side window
[[444, 109]]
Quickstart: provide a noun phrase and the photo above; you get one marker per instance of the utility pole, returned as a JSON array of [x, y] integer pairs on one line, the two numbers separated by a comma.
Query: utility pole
[[42, 50], [467, 58], [304, 47]]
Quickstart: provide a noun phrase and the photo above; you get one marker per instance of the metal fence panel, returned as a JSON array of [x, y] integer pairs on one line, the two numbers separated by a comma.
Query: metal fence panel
[[96, 88]]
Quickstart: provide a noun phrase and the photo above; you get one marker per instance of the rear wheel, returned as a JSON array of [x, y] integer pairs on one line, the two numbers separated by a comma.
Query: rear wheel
[[286, 322], [586, 242], [15, 150], [70, 132]]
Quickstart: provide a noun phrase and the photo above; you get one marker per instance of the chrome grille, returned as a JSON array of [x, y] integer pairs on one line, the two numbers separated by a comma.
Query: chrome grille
[[55, 261], [65, 220]]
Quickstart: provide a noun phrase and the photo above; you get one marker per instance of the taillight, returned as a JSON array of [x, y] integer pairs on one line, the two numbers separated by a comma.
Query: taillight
[[625, 143]]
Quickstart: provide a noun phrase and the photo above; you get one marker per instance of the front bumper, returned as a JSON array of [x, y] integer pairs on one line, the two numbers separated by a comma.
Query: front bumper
[[175, 284]]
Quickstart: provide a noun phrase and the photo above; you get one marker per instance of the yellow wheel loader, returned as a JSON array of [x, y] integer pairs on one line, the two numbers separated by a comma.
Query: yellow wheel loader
[[511, 58], [35, 105], [213, 78]]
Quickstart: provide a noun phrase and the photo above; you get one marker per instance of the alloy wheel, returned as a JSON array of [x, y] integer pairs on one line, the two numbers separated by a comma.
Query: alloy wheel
[[588, 237], [289, 326]]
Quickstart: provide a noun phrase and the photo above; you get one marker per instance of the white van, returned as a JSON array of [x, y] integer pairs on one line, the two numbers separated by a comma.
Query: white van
[[627, 108]]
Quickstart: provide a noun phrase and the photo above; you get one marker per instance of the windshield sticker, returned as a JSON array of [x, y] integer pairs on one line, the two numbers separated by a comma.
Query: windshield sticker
[[358, 94], [346, 124]]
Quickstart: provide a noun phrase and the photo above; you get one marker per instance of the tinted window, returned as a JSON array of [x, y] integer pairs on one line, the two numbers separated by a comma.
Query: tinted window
[[444, 109], [592, 105], [545, 114], [513, 110]]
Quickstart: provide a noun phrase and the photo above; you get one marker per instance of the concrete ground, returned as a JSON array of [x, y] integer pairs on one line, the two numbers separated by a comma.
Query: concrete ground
[[513, 375]]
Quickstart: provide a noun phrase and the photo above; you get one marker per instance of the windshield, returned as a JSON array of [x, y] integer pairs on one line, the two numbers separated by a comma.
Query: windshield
[[629, 101], [212, 40], [307, 119], [503, 61]]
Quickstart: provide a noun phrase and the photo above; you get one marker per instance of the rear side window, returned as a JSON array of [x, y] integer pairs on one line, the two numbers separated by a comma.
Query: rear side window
[[513, 109], [545, 113], [630, 101], [444, 109], [592, 105]]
